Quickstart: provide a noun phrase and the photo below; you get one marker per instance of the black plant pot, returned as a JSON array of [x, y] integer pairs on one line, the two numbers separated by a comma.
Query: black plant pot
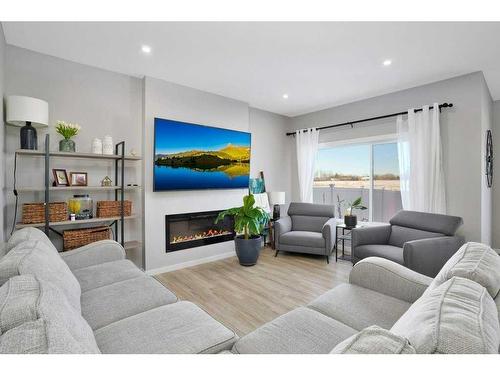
[[350, 221], [248, 251]]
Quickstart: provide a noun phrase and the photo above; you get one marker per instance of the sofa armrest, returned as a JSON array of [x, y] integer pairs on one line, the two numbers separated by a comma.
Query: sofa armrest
[[281, 226], [389, 278], [371, 235], [429, 255], [93, 254], [329, 232]]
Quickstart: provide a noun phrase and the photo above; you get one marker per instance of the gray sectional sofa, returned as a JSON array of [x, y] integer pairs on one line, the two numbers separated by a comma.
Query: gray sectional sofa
[[388, 308], [93, 300]]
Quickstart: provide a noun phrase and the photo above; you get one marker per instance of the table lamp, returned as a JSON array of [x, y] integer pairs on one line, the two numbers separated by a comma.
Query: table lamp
[[276, 198], [28, 113]]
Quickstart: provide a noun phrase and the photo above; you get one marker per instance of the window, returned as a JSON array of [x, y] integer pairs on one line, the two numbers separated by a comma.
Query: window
[[369, 170]]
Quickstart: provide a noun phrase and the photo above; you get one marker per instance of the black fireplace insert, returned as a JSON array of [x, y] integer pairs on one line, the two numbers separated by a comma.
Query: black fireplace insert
[[195, 229]]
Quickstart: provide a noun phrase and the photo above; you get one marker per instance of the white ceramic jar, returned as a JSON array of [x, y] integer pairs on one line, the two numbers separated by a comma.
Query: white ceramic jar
[[107, 145], [96, 146]]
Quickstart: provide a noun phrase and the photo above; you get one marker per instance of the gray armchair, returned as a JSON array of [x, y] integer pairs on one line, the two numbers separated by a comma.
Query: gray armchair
[[308, 228], [420, 241]]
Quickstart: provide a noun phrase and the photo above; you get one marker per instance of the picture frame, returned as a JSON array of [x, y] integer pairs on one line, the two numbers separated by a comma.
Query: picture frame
[[60, 177], [78, 178]]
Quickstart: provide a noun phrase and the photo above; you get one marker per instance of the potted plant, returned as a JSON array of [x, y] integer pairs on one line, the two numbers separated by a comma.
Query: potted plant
[[68, 131], [249, 221], [351, 220]]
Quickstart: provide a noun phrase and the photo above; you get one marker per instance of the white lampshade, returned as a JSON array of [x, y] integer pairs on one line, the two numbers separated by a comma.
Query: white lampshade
[[277, 197], [21, 109]]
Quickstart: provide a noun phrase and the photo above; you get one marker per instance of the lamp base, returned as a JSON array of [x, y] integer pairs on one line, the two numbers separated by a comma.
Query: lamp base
[[29, 139], [276, 212]]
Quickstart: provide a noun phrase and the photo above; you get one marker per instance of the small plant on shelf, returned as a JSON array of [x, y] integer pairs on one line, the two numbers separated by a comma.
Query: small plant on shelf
[[249, 222], [351, 220], [68, 131]]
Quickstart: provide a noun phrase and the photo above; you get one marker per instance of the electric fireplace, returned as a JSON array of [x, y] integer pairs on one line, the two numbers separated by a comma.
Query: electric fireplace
[[195, 229]]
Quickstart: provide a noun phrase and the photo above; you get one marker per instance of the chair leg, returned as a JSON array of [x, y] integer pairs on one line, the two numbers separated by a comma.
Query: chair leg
[[276, 253], [327, 259]]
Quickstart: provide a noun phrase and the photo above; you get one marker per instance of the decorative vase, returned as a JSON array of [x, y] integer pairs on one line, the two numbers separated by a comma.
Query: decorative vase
[[248, 251], [96, 146], [66, 145], [107, 145], [350, 221]]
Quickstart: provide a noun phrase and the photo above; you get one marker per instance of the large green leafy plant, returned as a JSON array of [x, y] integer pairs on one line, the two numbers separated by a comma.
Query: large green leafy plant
[[248, 219]]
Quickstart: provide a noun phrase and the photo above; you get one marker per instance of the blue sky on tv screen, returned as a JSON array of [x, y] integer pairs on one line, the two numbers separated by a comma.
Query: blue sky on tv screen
[[175, 136]]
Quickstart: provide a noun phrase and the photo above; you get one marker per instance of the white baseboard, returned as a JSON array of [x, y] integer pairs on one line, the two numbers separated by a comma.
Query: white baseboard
[[190, 263]]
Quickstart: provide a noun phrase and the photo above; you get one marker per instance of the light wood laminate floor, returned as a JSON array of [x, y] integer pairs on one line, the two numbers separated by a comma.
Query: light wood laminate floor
[[244, 298]]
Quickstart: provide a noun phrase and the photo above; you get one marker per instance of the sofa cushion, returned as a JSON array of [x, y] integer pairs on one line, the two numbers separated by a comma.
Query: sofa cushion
[[458, 317], [300, 238], [393, 253], [110, 303], [18, 297], [374, 340], [473, 261], [28, 234], [106, 273], [180, 327], [308, 223], [359, 308], [429, 222], [46, 302], [300, 331], [40, 337], [36, 257], [400, 235]]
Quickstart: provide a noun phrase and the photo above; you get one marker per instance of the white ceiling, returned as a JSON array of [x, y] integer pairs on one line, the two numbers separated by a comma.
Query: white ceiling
[[318, 65]]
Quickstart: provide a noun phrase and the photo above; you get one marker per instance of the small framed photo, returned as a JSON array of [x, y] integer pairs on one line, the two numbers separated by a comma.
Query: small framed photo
[[78, 178], [60, 177]]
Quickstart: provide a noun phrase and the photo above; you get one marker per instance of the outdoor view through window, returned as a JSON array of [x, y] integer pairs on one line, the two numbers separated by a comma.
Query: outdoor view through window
[[346, 172]]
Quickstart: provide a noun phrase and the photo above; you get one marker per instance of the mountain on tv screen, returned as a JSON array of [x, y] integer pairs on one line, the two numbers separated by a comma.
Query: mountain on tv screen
[[189, 157]]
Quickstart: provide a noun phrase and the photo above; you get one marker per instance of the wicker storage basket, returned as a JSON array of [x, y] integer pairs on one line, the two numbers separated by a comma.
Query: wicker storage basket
[[74, 238], [113, 208], [35, 212]]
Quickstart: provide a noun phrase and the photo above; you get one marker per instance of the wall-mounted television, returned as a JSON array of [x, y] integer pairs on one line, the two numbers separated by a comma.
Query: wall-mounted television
[[190, 157]]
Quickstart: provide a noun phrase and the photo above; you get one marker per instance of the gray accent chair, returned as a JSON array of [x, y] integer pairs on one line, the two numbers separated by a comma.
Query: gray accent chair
[[420, 241], [309, 229]]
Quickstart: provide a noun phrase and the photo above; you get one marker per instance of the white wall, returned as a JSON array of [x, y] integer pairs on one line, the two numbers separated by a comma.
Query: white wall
[[175, 102], [102, 102], [2, 131], [461, 132]]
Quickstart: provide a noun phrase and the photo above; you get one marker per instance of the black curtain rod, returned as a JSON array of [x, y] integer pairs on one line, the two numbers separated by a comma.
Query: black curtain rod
[[351, 123]]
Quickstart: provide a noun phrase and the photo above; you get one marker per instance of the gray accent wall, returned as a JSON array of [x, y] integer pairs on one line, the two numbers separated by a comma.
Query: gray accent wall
[[2, 132], [496, 175], [102, 102], [462, 134]]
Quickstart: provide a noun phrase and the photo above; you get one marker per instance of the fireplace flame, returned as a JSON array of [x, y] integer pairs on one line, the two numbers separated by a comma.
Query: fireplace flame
[[199, 236]]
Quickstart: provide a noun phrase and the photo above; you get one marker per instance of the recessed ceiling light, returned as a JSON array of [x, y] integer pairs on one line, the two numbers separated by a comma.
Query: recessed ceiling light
[[146, 49], [387, 62], [285, 96]]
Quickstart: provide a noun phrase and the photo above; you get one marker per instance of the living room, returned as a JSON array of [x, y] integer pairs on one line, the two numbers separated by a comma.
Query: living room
[[249, 187]]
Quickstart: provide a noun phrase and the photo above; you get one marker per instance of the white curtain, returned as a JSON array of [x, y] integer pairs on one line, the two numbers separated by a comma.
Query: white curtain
[[307, 147], [420, 161]]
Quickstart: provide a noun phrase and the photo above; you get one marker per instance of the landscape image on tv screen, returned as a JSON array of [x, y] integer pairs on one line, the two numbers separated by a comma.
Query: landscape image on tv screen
[[189, 157]]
